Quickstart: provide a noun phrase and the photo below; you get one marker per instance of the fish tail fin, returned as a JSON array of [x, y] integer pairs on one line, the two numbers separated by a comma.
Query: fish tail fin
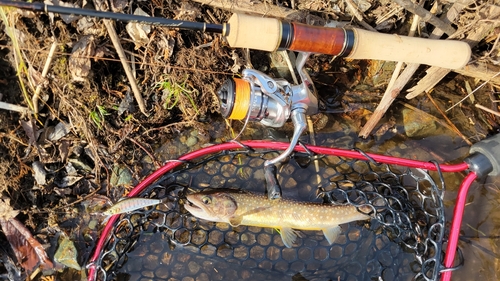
[[332, 233]]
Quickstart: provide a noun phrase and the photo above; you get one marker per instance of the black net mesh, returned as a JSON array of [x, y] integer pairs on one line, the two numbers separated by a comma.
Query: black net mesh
[[402, 241]]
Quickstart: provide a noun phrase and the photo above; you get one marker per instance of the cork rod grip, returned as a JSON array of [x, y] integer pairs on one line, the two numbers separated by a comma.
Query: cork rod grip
[[254, 32], [268, 34], [442, 53]]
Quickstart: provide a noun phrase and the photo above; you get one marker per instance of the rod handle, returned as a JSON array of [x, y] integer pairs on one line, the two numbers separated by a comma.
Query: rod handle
[[269, 34], [253, 32], [391, 47]]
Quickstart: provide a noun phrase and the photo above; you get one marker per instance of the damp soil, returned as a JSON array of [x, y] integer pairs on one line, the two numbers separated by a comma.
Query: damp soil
[[108, 145]]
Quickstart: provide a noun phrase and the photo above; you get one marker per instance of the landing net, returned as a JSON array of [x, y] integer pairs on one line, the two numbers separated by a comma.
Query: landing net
[[402, 241]]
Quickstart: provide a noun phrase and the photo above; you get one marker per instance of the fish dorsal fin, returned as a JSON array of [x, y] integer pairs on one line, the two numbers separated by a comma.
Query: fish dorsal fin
[[332, 233], [288, 235], [235, 221]]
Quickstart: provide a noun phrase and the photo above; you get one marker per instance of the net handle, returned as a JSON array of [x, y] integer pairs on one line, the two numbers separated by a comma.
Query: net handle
[[456, 223], [257, 144]]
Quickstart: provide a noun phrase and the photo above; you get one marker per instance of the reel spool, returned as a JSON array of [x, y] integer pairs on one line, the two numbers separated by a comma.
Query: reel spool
[[244, 99], [258, 97]]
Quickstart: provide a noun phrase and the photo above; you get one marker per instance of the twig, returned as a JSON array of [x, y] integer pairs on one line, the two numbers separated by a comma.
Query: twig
[[146, 151], [480, 70], [13, 107], [246, 6], [426, 16], [45, 70], [448, 120], [479, 87], [121, 54], [435, 74], [388, 15], [452, 13], [358, 15], [487, 109], [286, 56]]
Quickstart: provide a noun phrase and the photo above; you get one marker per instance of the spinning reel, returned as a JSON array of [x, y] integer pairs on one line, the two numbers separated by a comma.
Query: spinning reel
[[258, 97]]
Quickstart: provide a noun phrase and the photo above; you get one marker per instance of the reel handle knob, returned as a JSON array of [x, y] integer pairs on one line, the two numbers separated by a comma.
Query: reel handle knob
[[272, 185]]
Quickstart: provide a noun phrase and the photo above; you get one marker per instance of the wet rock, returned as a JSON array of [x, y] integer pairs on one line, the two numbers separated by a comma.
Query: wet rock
[[121, 176], [191, 141], [66, 254], [418, 125]]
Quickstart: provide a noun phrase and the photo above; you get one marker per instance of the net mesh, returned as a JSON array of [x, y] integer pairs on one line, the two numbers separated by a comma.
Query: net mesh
[[402, 241]]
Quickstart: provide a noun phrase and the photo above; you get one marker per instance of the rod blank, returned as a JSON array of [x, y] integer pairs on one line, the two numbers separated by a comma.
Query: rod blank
[[157, 21]]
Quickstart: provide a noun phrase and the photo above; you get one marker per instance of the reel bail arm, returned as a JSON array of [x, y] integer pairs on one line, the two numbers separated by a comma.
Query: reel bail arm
[[258, 97]]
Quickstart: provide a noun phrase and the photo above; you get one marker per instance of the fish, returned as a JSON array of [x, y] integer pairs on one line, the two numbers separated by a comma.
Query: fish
[[131, 204], [238, 207]]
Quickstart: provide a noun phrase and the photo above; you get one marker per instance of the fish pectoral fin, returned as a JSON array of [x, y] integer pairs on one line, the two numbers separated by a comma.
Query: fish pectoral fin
[[288, 235], [235, 221], [332, 233]]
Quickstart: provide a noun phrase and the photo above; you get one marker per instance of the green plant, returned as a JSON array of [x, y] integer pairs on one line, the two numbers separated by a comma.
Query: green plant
[[175, 93], [97, 116]]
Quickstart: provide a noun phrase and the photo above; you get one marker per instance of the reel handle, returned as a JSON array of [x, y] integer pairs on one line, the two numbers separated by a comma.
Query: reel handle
[[272, 185], [269, 34]]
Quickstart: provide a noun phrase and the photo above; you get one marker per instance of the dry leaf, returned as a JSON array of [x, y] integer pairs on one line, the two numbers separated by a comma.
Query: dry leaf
[[67, 18], [67, 181], [238, 62], [6, 211], [36, 78], [79, 61], [138, 31], [60, 130], [39, 173], [31, 130], [118, 5], [29, 252]]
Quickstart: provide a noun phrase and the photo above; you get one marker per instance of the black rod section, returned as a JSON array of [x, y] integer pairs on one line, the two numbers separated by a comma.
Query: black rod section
[[37, 6]]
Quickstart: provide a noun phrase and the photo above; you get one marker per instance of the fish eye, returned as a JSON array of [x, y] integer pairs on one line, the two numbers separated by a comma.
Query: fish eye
[[206, 200]]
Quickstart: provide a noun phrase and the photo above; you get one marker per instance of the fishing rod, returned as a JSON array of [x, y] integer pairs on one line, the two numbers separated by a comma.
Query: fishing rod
[[270, 34]]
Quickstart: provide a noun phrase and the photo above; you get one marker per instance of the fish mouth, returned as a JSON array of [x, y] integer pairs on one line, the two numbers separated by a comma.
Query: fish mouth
[[192, 206]]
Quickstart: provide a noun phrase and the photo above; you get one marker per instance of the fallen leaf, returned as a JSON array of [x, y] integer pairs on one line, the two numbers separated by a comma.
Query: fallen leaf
[[118, 5], [67, 181], [39, 172], [6, 211], [238, 62], [67, 18], [79, 61], [29, 252], [36, 77], [138, 31], [31, 130], [60, 130]]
